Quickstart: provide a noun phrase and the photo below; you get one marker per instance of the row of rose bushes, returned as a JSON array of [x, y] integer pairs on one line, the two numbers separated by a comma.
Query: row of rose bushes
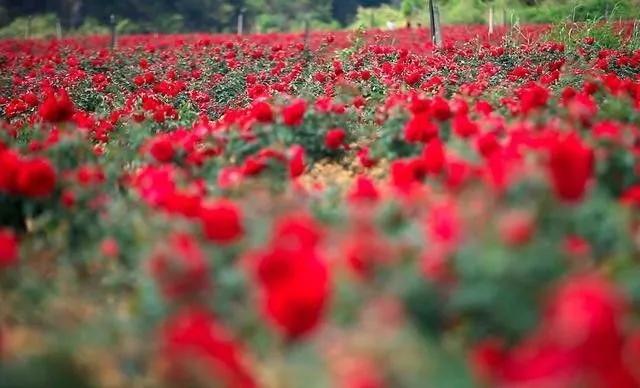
[[159, 223]]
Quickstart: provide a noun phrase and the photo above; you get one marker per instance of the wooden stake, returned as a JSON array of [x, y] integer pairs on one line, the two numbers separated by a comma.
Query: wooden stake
[[307, 33], [114, 33], [58, 29], [432, 19], [28, 32], [490, 21], [438, 30], [241, 21]]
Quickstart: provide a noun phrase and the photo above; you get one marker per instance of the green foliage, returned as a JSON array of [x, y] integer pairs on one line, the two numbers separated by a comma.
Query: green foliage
[[91, 26], [463, 12], [51, 370], [42, 26], [378, 17], [553, 11], [571, 35]]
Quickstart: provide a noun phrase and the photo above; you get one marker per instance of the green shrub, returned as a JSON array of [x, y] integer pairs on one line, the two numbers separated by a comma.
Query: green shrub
[[42, 26]]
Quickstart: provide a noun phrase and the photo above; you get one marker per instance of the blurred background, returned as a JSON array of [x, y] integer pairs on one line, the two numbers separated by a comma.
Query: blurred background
[[82, 17]]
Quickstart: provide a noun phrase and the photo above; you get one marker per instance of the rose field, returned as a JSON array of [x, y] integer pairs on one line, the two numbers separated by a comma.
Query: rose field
[[349, 209]]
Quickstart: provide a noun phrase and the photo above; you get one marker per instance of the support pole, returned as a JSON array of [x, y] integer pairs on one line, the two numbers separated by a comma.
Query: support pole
[[438, 30], [490, 21], [241, 21], [432, 19], [28, 32], [58, 29], [114, 33]]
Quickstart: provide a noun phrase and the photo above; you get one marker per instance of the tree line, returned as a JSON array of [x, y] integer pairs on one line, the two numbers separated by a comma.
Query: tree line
[[191, 15]]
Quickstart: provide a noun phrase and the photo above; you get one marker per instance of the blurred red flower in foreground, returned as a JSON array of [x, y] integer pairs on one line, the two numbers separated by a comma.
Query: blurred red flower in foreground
[[334, 138], [222, 221], [9, 250], [296, 161], [292, 115], [262, 112], [180, 267], [36, 178], [10, 162], [191, 341], [162, 149], [294, 279], [57, 108], [580, 342], [571, 166]]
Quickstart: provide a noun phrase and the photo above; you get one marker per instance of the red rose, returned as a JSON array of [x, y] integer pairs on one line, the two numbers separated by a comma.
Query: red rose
[[292, 115], [57, 109], [334, 138], [162, 150], [36, 178], [295, 288], [516, 227], [487, 144], [365, 159], [486, 359], [586, 315], [262, 112], [434, 156], [183, 203], [296, 161], [420, 129], [571, 167], [222, 221], [253, 165], [298, 230], [532, 96], [9, 250], [440, 109], [538, 364], [180, 267], [193, 338], [293, 278], [464, 127], [443, 225], [10, 162], [583, 108], [363, 190], [229, 177], [110, 247]]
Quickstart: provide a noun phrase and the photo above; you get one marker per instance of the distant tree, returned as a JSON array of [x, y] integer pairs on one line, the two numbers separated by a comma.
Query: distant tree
[[344, 10], [408, 7]]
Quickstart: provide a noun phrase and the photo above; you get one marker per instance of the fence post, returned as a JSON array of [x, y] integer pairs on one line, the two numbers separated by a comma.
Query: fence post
[[114, 33], [28, 31], [241, 21], [438, 35], [307, 37], [490, 21], [432, 20], [58, 29]]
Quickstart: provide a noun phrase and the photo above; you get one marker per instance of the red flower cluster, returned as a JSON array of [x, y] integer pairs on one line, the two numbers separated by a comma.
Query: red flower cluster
[[221, 221], [57, 107], [581, 341], [294, 278], [180, 267], [196, 348], [9, 248], [571, 166], [34, 178]]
